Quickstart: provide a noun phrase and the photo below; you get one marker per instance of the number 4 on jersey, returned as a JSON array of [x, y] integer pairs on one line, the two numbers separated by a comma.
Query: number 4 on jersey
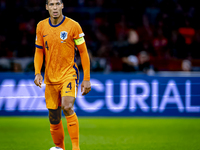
[[69, 85], [46, 45]]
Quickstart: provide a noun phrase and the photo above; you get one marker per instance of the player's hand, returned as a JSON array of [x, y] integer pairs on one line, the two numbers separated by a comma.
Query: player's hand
[[38, 80], [85, 87]]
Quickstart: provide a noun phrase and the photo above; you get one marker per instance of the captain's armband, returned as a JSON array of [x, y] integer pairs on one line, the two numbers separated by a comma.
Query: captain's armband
[[79, 41]]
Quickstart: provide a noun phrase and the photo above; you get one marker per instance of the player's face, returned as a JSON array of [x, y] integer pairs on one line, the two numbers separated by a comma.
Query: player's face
[[55, 8]]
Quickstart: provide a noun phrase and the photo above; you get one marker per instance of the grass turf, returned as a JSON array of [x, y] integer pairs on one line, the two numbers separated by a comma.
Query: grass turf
[[32, 133]]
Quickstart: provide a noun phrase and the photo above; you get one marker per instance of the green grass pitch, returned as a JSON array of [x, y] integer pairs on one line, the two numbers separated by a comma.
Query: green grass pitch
[[98, 133]]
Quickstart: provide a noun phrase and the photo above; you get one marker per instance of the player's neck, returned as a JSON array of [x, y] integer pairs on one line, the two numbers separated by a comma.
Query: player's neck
[[55, 21]]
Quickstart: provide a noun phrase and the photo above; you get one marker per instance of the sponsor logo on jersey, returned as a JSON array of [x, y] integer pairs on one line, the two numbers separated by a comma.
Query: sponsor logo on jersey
[[63, 35]]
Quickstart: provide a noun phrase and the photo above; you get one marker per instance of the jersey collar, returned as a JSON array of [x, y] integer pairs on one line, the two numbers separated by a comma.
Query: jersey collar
[[57, 24]]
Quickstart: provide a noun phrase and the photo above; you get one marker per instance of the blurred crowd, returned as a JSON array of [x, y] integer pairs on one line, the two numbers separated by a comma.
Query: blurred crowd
[[121, 35]]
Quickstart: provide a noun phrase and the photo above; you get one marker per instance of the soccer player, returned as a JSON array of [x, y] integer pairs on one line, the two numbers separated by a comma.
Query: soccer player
[[58, 38]]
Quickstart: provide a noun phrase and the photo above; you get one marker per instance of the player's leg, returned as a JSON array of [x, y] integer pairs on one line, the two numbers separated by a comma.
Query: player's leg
[[72, 120], [56, 127], [53, 102], [68, 94]]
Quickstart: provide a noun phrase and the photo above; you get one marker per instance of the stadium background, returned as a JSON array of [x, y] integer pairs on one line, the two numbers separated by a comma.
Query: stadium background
[[167, 29], [144, 62], [128, 39]]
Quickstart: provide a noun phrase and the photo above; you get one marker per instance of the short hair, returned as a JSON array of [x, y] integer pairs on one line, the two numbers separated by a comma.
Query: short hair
[[48, 1]]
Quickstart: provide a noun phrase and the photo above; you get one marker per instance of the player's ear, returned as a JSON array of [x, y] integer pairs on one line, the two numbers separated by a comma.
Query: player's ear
[[62, 5], [47, 7]]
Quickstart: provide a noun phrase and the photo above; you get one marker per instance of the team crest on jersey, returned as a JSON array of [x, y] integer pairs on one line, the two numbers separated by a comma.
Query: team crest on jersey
[[63, 35]]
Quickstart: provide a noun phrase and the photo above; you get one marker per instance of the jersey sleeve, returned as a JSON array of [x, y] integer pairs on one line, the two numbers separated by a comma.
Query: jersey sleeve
[[78, 32], [85, 61], [39, 37]]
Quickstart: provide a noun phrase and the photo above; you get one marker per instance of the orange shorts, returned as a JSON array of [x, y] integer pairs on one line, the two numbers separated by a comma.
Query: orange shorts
[[54, 92]]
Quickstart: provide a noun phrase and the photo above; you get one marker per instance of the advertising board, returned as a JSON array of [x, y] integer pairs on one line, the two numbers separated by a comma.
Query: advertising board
[[111, 95]]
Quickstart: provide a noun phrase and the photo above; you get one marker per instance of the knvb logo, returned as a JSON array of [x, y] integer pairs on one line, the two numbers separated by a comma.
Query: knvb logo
[[63, 35]]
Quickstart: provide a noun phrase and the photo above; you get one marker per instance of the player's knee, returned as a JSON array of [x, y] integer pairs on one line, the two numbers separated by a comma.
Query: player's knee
[[68, 110], [54, 120], [55, 116]]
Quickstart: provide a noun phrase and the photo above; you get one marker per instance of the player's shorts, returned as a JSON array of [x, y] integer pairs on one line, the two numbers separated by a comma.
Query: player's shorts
[[54, 92]]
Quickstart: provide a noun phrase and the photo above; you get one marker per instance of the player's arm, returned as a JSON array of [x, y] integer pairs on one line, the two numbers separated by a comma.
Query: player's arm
[[38, 61], [38, 58], [85, 61]]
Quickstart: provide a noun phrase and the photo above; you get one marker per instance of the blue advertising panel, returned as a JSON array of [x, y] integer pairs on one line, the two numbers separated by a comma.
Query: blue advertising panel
[[111, 95]]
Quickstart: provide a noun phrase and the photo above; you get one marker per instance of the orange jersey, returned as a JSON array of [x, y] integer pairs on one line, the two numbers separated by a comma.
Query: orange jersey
[[57, 41]]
